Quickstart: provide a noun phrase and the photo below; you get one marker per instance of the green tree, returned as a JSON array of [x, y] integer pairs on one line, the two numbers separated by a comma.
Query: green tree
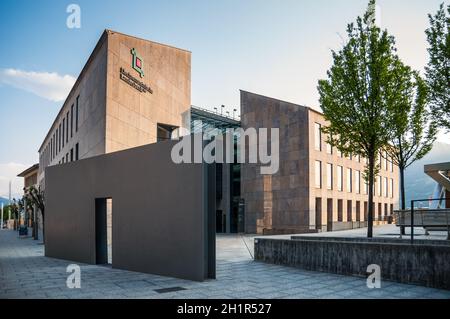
[[438, 68], [414, 132], [354, 98], [36, 198]]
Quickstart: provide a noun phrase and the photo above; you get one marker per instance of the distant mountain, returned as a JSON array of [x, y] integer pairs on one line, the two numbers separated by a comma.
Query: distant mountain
[[5, 201], [418, 184]]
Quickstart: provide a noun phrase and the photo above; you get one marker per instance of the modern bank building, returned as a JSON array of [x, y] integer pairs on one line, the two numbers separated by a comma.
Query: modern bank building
[[106, 169]]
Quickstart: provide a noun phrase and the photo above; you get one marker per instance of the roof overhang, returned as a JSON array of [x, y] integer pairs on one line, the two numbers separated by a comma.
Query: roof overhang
[[440, 173], [29, 171]]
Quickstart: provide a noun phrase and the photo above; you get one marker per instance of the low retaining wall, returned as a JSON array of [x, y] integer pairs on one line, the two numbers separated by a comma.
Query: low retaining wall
[[423, 264]]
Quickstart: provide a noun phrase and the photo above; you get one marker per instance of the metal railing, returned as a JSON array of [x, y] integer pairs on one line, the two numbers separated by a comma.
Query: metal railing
[[427, 218]]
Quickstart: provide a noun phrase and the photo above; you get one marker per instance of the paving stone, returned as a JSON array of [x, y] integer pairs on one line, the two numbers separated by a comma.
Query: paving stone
[[26, 273]]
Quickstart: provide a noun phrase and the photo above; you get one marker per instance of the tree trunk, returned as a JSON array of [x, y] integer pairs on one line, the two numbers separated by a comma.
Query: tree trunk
[[370, 201], [402, 194]]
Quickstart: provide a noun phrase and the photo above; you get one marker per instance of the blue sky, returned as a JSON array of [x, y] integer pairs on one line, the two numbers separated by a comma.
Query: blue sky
[[278, 48]]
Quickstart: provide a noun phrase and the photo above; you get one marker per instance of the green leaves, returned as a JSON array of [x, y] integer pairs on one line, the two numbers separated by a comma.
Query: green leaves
[[438, 68], [354, 97]]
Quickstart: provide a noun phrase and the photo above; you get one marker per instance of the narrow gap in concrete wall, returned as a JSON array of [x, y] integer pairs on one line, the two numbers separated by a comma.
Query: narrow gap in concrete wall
[[103, 231], [109, 228]]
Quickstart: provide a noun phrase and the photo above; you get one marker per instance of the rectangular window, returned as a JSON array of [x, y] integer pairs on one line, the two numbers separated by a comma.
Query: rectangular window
[[358, 158], [329, 176], [76, 152], [386, 161], [59, 138], [349, 211], [317, 137], [67, 157], [340, 182], [380, 186], [329, 148], [391, 188], [76, 115], [339, 153], [63, 132], [54, 145], [366, 188], [57, 141], [67, 128], [385, 190], [51, 148], [358, 211], [340, 210], [391, 165], [358, 182], [318, 174], [71, 154], [349, 180], [71, 121]]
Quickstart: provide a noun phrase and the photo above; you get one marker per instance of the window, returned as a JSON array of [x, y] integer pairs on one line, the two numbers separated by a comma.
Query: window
[[349, 211], [329, 147], [63, 132], [71, 154], [358, 182], [76, 115], [329, 176], [366, 187], [391, 164], [67, 157], [57, 141], [380, 186], [71, 121], [317, 137], [51, 148], [164, 132], [386, 161], [318, 174], [340, 210], [76, 151], [59, 138], [339, 153], [340, 182], [67, 128], [349, 180], [391, 188], [358, 158], [385, 190]]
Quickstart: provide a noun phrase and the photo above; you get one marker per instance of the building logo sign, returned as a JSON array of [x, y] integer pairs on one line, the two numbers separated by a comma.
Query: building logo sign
[[137, 63]]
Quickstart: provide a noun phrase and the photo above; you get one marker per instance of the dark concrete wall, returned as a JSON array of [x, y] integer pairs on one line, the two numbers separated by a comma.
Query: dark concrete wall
[[159, 212], [419, 264], [277, 203]]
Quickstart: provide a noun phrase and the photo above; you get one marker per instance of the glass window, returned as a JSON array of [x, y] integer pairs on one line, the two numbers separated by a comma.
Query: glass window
[[329, 176], [385, 190], [329, 148], [71, 121], [76, 115], [318, 174], [391, 188], [340, 174], [358, 182], [317, 137], [349, 180], [380, 186]]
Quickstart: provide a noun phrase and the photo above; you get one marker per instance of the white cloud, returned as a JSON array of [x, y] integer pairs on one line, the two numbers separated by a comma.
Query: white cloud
[[8, 172], [443, 137], [51, 86]]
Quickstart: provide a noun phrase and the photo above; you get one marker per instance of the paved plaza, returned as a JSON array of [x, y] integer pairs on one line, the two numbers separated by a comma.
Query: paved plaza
[[26, 273]]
